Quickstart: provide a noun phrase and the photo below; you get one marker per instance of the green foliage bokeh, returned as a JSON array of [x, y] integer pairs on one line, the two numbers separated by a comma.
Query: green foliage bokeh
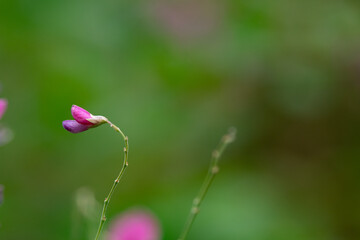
[[174, 76]]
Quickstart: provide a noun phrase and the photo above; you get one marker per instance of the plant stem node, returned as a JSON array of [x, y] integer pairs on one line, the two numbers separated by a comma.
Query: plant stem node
[[195, 210], [215, 170], [215, 154]]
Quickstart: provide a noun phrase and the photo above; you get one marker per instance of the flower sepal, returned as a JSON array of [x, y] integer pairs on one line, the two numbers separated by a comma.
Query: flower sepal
[[97, 120]]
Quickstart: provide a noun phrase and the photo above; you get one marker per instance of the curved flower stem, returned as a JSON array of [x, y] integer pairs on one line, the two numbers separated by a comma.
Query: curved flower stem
[[213, 170], [124, 166]]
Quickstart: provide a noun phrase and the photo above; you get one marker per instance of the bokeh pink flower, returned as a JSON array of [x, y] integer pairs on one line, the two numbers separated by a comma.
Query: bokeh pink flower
[[136, 224], [3, 107], [187, 21]]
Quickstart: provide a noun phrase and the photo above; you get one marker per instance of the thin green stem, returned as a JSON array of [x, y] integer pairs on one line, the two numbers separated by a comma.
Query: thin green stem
[[117, 180], [213, 170]]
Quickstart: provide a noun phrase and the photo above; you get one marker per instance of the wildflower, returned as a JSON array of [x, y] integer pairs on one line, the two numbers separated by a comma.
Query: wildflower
[[83, 120], [3, 106], [135, 225]]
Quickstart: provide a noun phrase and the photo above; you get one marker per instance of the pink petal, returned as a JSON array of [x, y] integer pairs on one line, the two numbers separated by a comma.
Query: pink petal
[[81, 115]]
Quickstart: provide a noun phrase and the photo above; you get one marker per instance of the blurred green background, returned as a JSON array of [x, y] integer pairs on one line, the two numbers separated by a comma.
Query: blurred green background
[[174, 75]]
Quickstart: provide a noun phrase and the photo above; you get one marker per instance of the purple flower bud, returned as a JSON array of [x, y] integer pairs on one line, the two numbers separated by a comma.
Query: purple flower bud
[[74, 127], [83, 120], [135, 225], [3, 106]]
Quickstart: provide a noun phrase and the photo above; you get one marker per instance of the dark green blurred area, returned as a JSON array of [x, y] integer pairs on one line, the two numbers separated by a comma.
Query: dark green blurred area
[[174, 76]]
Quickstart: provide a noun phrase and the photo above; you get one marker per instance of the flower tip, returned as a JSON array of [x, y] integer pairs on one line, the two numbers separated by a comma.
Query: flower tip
[[76, 107]]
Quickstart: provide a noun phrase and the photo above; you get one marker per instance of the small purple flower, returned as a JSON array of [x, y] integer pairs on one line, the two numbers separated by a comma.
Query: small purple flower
[[135, 225], [83, 120], [1, 194], [3, 106]]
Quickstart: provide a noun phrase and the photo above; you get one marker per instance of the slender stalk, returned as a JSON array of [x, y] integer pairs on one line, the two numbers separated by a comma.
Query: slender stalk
[[213, 170], [117, 180]]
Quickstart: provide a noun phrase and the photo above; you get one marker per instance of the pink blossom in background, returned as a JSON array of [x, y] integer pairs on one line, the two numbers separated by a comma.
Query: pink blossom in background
[[135, 224], [3, 106], [187, 20]]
